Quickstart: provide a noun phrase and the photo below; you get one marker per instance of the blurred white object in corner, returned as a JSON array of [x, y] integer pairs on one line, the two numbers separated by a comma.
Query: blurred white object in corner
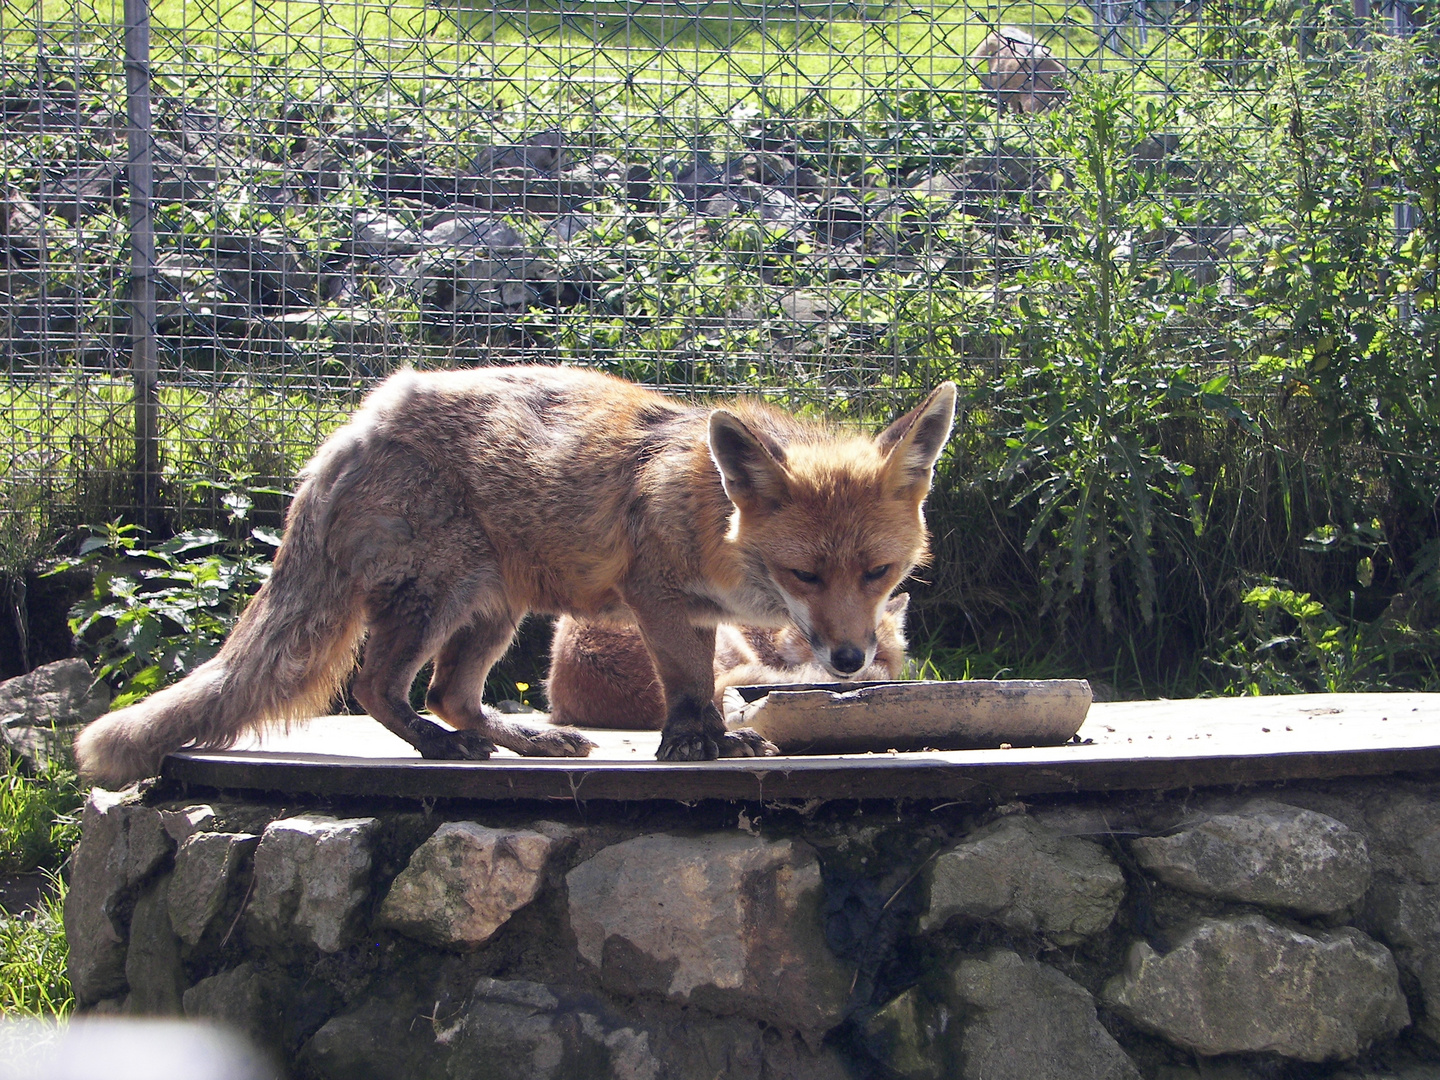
[[115, 1048]]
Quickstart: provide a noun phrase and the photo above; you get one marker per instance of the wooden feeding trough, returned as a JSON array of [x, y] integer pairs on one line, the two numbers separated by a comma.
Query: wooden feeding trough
[[857, 718]]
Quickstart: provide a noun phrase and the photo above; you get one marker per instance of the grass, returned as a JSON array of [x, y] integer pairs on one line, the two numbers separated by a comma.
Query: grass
[[33, 955], [635, 63], [39, 826], [38, 818]]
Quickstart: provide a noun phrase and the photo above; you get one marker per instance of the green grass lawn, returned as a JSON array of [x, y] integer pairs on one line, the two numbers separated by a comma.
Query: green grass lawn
[[643, 56]]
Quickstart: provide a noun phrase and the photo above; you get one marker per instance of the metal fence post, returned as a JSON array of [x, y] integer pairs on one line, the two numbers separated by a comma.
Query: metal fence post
[[140, 178]]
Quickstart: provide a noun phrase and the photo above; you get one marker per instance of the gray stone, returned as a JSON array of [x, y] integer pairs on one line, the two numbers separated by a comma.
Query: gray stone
[[530, 1032], [726, 921], [515, 1029], [179, 824], [904, 1036], [1246, 985], [247, 998], [1207, 1070], [41, 712], [1406, 917], [152, 962], [794, 1059], [1405, 835], [465, 882], [1027, 1021], [121, 845], [312, 876], [1194, 260], [1019, 874], [206, 865], [382, 1039], [475, 230], [380, 234], [522, 1030], [1266, 853], [1411, 1070], [178, 176]]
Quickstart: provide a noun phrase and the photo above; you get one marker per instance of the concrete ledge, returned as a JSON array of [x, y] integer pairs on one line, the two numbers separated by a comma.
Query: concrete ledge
[[1161, 745]]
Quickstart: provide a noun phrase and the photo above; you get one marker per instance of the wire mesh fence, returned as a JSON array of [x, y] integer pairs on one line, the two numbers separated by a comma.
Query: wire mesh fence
[[835, 203]]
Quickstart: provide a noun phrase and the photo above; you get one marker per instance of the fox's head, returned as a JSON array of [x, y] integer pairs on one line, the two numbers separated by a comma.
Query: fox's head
[[828, 526]]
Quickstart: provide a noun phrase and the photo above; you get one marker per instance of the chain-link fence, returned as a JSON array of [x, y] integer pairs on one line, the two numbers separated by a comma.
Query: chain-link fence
[[837, 203]]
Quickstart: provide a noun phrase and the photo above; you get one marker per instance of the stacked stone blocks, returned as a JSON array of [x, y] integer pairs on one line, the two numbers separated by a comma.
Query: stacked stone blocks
[[1081, 938]]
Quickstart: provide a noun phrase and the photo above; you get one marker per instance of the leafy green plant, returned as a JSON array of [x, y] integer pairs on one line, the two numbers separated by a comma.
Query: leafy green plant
[[33, 957], [1086, 448], [1293, 643], [156, 613], [1345, 302]]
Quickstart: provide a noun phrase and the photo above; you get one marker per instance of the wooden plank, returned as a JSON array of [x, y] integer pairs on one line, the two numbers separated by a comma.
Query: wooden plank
[[1133, 746]]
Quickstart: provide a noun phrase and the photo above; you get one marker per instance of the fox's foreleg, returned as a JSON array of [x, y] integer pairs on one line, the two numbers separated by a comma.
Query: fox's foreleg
[[684, 658]]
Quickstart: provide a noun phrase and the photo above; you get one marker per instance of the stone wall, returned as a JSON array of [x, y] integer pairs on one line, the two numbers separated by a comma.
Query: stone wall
[[1288, 932]]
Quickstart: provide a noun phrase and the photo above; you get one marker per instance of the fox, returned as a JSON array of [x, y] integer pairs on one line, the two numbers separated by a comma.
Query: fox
[[601, 675], [455, 503]]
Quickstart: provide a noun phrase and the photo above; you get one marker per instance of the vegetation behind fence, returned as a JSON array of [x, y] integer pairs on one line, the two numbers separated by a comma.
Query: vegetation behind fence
[[1181, 259]]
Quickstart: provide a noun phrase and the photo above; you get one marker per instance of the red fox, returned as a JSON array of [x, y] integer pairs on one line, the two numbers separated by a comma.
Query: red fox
[[454, 503], [601, 675]]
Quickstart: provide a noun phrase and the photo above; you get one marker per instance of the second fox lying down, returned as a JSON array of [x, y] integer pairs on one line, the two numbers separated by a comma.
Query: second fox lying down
[[454, 503], [601, 675]]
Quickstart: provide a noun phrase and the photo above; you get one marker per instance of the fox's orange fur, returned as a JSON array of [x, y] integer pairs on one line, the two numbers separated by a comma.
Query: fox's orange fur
[[602, 676], [453, 503]]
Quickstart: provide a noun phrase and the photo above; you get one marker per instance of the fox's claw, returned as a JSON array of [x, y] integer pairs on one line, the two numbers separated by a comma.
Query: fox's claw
[[560, 742], [695, 746], [458, 746], [747, 742]]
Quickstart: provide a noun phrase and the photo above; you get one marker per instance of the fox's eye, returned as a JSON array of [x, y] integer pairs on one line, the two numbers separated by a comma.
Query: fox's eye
[[806, 577], [876, 573]]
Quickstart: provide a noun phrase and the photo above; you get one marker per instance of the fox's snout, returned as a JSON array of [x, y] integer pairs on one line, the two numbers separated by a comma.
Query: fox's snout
[[843, 659]]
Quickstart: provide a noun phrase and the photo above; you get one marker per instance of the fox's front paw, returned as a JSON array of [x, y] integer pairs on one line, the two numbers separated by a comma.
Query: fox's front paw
[[747, 742], [691, 746], [458, 746]]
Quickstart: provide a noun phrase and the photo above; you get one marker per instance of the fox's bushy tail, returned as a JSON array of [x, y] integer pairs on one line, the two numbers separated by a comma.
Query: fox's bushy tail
[[286, 658]]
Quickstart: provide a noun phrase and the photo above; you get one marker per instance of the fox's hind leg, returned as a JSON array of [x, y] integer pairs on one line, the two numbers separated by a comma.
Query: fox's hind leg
[[395, 649], [459, 679]]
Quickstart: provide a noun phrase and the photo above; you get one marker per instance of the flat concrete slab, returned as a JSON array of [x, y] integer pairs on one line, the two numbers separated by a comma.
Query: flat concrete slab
[[1154, 745]]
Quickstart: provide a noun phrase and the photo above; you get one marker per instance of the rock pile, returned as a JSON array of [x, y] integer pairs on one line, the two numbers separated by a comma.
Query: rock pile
[[490, 250]]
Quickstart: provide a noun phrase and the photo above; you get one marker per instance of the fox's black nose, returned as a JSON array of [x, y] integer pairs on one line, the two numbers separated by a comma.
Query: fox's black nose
[[846, 659]]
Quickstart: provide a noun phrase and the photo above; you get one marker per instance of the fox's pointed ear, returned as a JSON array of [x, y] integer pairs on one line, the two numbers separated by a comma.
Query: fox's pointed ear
[[913, 443], [897, 604], [752, 467]]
